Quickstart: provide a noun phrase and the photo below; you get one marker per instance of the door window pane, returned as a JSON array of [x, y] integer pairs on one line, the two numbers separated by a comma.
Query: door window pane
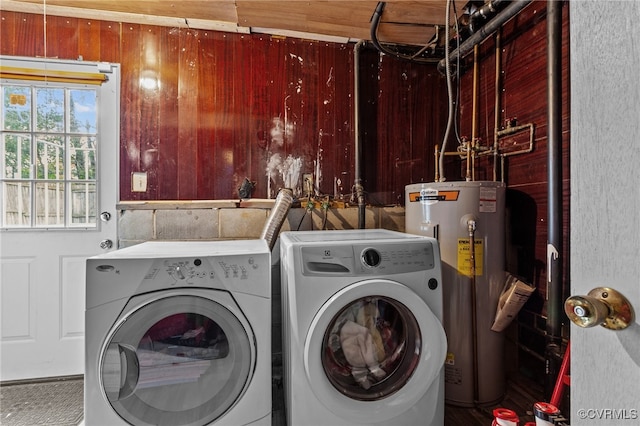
[[17, 156], [50, 204], [49, 142], [16, 111], [83, 203], [50, 162], [82, 111], [17, 203], [50, 109], [83, 157]]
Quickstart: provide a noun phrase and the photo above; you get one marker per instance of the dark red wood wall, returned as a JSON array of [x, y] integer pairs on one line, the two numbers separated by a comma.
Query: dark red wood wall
[[227, 103]]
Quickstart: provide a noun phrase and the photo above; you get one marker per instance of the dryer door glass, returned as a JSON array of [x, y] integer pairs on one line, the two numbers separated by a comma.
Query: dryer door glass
[[371, 348], [175, 361]]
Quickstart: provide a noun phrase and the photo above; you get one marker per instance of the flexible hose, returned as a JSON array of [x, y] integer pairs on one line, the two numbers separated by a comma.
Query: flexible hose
[[277, 216]]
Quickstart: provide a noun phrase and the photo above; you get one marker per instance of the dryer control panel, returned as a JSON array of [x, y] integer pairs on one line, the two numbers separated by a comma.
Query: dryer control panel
[[201, 270], [358, 259], [243, 273]]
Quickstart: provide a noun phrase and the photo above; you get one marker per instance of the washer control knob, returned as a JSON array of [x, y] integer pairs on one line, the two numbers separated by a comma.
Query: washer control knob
[[371, 257], [179, 273]]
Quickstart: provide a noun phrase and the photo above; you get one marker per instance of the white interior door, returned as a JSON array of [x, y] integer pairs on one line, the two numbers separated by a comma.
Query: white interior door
[[59, 174], [605, 201]]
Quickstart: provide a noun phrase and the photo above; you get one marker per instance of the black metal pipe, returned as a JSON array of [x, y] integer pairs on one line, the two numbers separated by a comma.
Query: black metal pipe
[[483, 14], [554, 193], [482, 33]]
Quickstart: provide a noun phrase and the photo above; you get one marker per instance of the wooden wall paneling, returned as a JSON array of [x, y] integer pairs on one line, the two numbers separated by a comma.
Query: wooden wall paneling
[[271, 110], [369, 121], [188, 116], [130, 106], [259, 127], [244, 148], [7, 33], [168, 114], [22, 34], [393, 128], [339, 182], [150, 98], [211, 101], [62, 37], [426, 112], [109, 41], [300, 110], [311, 103], [89, 39], [326, 142]]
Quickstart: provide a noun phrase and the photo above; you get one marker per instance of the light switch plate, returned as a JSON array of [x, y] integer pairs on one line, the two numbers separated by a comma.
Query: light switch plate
[[139, 182]]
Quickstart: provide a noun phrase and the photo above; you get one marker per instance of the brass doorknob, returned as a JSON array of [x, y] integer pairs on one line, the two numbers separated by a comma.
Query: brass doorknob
[[602, 306]]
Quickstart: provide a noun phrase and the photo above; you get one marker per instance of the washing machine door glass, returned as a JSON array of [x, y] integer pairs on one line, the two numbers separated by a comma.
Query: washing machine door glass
[[178, 360], [371, 348]]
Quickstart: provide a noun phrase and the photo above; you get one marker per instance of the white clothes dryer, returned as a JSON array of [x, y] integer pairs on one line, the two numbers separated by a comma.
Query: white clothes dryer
[[179, 333], [362, 333]]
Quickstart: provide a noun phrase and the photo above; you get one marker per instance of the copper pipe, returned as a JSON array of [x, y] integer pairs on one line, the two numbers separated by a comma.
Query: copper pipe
[[497, 103]]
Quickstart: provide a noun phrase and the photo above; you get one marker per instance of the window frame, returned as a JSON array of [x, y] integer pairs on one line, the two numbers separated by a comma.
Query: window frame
[[46, 75]]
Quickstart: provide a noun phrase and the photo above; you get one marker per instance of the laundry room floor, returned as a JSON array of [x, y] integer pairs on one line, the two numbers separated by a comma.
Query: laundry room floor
[[57, 402], [60, 403]]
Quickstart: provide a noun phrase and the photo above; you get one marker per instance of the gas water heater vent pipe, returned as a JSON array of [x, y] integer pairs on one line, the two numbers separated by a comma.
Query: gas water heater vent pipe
[[357, 185]]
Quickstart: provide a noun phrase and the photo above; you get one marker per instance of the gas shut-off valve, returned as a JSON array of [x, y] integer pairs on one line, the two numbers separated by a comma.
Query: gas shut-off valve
[[602, 306]]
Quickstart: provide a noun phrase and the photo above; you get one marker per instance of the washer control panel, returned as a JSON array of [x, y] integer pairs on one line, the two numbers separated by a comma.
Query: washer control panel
[[361, 258], [392, 258]]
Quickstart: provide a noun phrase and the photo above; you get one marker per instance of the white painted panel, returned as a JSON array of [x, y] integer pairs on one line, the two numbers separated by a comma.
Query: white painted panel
[[17, 318], [605, 201], [72, 291], [54, 302]]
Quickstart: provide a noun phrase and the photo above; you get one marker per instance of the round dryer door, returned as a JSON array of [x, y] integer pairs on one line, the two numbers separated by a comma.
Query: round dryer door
[[373, 350], [177, 359]]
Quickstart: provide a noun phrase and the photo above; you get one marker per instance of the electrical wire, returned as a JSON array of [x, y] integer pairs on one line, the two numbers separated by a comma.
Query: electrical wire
[[449, 91], [375, 23], [456, 124]]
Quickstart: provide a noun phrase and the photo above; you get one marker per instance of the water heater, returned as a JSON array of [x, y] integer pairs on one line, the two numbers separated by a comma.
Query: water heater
[[468, 220]]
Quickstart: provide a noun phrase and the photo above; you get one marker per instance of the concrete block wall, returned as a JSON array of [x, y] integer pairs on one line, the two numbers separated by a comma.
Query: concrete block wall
[[220, 220], [215, 220]]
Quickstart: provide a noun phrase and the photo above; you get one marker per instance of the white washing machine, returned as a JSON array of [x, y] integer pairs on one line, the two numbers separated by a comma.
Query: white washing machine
[[179, 333], [362, 333]]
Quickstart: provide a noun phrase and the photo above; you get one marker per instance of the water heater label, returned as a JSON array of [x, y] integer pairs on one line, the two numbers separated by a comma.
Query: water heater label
[[431, 196], [464, 257], [488, 197]]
